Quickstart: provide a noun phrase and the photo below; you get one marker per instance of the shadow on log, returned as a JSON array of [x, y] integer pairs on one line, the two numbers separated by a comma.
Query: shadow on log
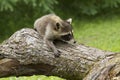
[[25, 53]]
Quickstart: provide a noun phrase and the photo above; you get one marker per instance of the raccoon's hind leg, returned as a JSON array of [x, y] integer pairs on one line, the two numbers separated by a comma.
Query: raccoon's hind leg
[[52, 46]]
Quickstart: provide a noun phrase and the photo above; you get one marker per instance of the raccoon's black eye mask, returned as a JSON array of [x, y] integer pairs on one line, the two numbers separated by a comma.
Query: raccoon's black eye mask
[[67, 37]]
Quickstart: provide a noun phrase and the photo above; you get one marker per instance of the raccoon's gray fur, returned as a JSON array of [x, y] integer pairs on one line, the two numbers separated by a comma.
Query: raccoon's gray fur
[[52, 27]]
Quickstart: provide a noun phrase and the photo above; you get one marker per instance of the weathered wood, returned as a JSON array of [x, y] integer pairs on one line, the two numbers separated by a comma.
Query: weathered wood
[[25, 53]]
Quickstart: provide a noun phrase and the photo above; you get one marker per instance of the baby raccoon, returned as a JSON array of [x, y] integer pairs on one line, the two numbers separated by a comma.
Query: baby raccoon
[[52, 27]]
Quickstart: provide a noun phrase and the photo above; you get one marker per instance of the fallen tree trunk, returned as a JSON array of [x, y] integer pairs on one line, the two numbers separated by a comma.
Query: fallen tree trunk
[[25, 53]]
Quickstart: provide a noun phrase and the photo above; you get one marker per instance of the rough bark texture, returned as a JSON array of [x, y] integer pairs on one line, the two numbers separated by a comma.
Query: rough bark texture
[[25, 53]]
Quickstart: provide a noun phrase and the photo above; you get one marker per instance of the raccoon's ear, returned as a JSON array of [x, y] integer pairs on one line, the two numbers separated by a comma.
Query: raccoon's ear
[[69, 20]]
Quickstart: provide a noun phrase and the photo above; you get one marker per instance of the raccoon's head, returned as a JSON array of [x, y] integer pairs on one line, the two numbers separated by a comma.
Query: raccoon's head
[[65, 31]]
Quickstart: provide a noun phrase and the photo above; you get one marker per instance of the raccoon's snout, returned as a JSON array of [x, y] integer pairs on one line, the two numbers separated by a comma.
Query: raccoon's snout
[[67, 37]]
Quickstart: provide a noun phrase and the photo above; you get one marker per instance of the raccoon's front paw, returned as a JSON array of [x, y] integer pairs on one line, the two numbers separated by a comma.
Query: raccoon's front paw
[[57, 53]]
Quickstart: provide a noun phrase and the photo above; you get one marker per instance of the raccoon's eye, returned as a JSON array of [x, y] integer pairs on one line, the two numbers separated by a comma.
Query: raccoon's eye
[[57, 26]]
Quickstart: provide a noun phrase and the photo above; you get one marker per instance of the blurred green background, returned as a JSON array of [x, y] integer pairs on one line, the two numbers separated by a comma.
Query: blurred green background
[[96, 23]]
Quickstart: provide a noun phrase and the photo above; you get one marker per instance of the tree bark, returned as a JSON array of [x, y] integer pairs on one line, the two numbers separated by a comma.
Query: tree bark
[[25, 53]]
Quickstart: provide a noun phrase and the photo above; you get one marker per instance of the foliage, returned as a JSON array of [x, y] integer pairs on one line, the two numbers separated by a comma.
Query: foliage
[[88, 7], [13, 21], [40, 77], [45, 5]]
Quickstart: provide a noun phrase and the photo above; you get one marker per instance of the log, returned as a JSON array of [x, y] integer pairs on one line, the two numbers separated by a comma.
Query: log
[[25, 53]]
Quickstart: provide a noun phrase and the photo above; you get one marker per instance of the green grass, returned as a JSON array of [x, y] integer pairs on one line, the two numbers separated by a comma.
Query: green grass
[[101, 32], [40, 77]]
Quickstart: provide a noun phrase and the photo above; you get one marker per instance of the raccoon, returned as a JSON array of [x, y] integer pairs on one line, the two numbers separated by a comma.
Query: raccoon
[[52, 27]]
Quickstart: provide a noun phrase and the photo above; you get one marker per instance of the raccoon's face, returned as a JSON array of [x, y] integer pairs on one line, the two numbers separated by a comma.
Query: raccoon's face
[[65, 31]]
